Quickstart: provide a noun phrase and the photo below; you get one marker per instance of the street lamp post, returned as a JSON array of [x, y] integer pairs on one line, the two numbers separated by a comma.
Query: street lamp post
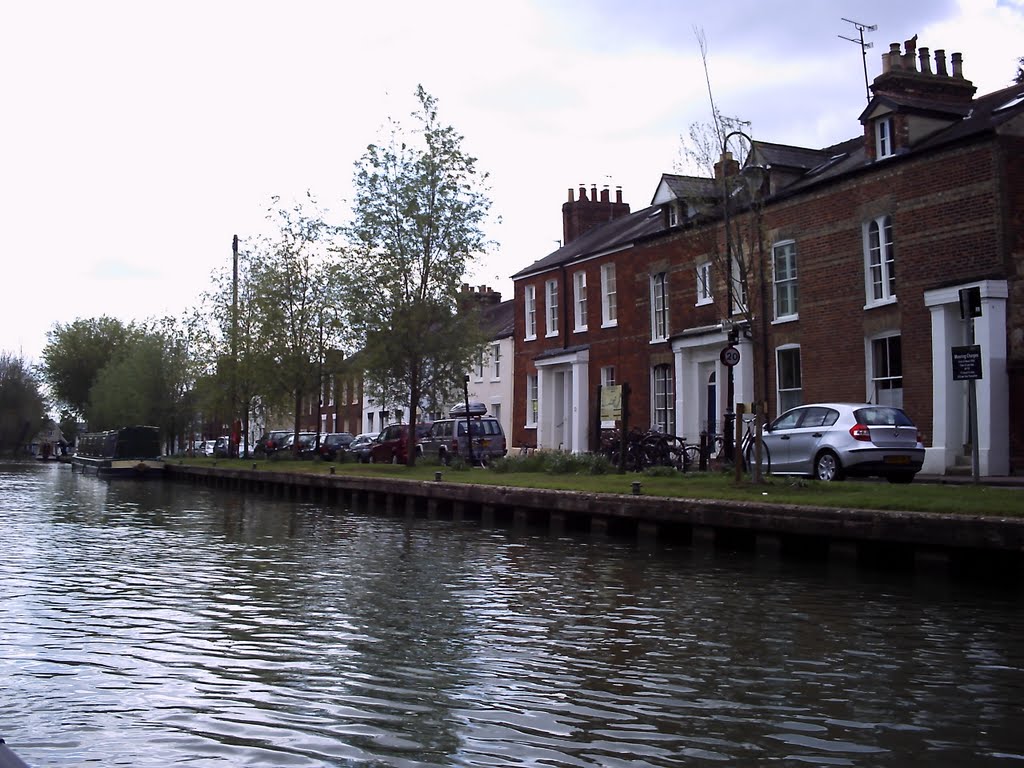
[[728, 445]]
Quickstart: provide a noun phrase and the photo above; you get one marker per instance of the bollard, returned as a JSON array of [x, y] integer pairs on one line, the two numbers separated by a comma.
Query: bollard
[[332, 470], [437, 477], [703, 451], [254, 466], [636, 487]]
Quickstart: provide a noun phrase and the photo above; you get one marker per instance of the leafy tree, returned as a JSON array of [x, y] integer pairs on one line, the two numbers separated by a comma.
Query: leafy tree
[[294, 296], [22, 408], [418, 213], [148, 381], [75, 354]]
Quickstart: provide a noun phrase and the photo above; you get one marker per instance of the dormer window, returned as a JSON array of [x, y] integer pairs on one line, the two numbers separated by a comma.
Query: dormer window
[[673, 215], [883, 138]]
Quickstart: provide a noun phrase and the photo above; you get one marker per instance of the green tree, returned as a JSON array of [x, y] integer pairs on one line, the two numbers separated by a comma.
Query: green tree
[[295, 295], [148, 381], [22, 408], [417, 224], [75, 354]]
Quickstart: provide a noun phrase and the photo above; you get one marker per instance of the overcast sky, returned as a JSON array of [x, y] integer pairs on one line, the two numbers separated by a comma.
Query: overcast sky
[[138, 137]]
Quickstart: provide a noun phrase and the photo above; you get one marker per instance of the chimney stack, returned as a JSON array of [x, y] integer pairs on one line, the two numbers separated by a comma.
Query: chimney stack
[[585, 213]]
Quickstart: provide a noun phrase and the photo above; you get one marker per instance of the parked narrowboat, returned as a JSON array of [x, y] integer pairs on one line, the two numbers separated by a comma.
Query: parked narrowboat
[[125, 452]]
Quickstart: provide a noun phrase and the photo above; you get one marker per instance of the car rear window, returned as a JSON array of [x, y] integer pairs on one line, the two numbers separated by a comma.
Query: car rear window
[[879, 416]]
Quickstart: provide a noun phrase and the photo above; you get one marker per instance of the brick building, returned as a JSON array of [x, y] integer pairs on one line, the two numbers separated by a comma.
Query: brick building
[[840, 279]]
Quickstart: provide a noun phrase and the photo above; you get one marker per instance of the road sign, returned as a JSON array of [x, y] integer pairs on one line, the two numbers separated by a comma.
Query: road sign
[[967, 363], [729, 356], [970, 303]]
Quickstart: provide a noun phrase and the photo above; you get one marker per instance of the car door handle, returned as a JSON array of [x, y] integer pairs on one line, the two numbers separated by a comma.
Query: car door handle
[[784, 437], [817, 434]]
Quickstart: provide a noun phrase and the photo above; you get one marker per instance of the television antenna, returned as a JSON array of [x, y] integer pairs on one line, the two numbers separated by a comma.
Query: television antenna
[[861, 29]]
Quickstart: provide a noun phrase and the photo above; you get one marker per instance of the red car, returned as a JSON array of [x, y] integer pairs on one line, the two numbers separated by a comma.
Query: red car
[[392, 444]]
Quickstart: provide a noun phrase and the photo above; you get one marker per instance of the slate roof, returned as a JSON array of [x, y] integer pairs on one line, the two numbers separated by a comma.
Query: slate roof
[[985, 114], [499, 320], [618, 233]]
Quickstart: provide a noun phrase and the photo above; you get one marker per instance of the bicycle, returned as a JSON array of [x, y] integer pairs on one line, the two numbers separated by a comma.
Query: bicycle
[[748, 450]]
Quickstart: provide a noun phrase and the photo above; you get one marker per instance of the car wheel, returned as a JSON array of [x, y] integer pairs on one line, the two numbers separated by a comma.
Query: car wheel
[[827, 467], [442, 457], [394, 458], [900, 477]]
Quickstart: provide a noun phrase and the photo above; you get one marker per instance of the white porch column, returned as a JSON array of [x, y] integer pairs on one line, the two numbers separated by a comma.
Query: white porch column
[[580, 404], [993, 389]]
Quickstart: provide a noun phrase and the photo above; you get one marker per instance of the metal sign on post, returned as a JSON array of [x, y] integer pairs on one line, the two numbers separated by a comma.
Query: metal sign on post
[[970, 303], [729, 356], [967, 362]]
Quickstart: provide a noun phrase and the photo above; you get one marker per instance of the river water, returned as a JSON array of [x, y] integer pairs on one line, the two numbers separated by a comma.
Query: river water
[[156, 624]]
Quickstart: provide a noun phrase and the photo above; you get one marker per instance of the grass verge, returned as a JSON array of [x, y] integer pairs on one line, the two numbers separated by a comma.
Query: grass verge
[[582, 476]]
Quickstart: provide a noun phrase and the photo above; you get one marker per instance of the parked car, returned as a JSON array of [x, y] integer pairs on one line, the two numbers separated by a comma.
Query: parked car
[[207, 447], [334, 444], [307, 445], [830, 441], [447, 438], [359, 448], [392, 444], [222, 447], [271, 442]]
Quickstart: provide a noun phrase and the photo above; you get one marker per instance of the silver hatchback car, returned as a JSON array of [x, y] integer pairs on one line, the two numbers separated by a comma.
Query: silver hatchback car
[[830, 441]]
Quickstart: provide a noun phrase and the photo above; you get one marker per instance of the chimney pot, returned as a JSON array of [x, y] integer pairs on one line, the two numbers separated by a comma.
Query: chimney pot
[[926, 62], [572, 195], [593, 192], [940, 62], [604, 195], [583, 193], [618, 194], [957, 59]]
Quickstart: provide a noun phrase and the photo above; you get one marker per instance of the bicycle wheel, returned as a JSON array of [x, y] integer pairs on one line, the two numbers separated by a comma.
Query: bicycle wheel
[[691, 455], [749, 457]]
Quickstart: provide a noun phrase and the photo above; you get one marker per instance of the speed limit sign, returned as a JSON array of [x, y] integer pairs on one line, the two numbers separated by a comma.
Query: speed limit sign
[[729, 356]]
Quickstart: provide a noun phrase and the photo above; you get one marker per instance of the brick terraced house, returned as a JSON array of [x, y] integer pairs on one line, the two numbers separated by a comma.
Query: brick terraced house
[[847, 290]]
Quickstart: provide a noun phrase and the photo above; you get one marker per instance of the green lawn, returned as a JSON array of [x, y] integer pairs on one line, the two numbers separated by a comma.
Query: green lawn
[[852, 494]]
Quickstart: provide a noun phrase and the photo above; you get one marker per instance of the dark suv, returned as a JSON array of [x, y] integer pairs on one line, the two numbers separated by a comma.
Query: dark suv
[[271, 442], [447, 438]]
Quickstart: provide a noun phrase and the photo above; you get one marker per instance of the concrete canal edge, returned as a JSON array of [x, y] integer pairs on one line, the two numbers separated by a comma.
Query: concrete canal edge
[[962, 544]]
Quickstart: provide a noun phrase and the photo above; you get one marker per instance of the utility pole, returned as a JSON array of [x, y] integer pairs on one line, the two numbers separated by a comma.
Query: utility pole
[[862, 28], [234, 345]]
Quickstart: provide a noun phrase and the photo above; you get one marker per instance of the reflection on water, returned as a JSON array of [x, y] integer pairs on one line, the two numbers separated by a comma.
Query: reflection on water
[[150, 624]]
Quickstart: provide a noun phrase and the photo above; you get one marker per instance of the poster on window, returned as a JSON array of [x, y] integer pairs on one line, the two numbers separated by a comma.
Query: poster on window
[[611, 402]]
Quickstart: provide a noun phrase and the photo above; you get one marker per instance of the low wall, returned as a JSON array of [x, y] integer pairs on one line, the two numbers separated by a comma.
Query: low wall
[[974, 544]]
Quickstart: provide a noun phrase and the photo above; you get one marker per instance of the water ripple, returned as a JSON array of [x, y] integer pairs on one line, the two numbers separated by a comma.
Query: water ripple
[[148, 625]]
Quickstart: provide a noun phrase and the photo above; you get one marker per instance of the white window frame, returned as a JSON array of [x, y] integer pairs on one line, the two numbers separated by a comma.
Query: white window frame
[[478, 367], [663, 401], [609, 297], [530, 307], [659, 306], [705, 290], [786, 393], [551, 307], [785, 289], [495, 362], [879, 262], [532, 400], [880, 381], [579, 283], [883, 138], [608, 376]]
